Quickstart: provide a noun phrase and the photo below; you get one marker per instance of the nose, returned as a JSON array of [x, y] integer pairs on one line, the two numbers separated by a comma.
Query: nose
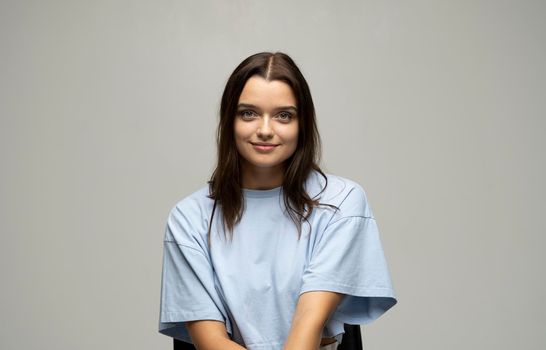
[[264, 129]]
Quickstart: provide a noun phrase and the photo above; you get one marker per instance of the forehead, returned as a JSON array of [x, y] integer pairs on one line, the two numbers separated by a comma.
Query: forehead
[[264, 93]]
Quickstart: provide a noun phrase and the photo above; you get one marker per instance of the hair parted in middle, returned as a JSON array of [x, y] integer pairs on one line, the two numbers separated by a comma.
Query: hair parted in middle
[[225, 182]]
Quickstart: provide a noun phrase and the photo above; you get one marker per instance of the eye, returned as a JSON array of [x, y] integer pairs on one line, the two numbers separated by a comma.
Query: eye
[[246, 114], [285, 116]]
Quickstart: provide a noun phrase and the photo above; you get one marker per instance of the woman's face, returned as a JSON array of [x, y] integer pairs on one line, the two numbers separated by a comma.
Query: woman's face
[[266, 124]]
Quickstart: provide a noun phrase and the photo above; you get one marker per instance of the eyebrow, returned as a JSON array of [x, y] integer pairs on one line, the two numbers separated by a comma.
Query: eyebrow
[[248, 105]]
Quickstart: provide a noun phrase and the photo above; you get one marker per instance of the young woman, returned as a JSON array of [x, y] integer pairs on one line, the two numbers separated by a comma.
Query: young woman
[[273, 253]]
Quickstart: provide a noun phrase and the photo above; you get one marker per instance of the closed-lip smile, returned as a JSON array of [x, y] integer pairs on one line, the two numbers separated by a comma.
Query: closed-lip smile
[[263, 144]]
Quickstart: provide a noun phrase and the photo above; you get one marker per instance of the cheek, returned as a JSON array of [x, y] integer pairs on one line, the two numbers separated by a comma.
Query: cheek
[[239, 131], [240, 140], [291, 135]]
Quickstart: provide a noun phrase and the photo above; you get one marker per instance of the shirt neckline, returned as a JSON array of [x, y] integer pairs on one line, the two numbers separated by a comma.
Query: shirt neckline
[[247, 192]]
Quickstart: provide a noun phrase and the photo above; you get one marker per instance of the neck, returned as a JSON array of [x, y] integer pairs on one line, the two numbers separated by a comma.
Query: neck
[[255, 178]]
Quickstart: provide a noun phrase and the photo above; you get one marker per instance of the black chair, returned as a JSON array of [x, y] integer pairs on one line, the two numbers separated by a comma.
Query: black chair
[[351, 340]]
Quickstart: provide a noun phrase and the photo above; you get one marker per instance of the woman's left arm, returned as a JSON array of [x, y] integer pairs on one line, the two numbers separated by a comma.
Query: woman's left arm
[[312, 311]]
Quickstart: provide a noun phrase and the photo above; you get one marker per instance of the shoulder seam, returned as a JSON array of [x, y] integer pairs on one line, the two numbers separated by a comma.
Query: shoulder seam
[[351, 216], [184, 245]]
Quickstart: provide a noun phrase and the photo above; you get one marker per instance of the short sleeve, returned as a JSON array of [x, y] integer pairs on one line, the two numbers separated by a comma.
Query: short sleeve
[[348, 258], [187, 282]]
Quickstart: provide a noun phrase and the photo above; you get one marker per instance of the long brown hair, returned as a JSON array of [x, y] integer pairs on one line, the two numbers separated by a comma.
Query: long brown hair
[[225, 182]]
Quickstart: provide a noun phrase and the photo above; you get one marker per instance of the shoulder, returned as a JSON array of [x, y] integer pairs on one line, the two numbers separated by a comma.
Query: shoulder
[[348, 195], [194, 204], [189, 215]]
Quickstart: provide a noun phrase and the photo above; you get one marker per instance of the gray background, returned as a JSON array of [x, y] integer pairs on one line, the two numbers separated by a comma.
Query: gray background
[[108, 113]]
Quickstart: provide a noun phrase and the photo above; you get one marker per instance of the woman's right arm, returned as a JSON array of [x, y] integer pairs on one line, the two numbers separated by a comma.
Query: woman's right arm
[[211, 335]]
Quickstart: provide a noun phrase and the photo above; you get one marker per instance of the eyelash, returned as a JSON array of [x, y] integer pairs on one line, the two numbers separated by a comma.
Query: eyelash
[[288, 116], [243, 113]]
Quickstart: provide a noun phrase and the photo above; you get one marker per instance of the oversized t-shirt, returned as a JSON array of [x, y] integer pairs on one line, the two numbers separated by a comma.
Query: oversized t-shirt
[[252, 283]]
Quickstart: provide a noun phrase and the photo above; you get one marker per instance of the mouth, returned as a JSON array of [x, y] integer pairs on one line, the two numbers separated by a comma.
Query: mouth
[[264, 146]]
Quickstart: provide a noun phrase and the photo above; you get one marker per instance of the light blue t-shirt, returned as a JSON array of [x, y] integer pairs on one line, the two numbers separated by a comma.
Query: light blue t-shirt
[[253, 282]]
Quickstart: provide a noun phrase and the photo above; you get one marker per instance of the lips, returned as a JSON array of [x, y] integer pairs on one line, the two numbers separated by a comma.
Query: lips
[[263, 144], [264, 147]]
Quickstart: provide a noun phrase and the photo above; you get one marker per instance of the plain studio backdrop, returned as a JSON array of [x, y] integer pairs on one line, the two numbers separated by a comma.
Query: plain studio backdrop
[[108, 117]]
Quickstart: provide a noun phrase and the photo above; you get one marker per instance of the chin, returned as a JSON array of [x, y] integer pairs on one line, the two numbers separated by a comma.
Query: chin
[[265, 165]]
